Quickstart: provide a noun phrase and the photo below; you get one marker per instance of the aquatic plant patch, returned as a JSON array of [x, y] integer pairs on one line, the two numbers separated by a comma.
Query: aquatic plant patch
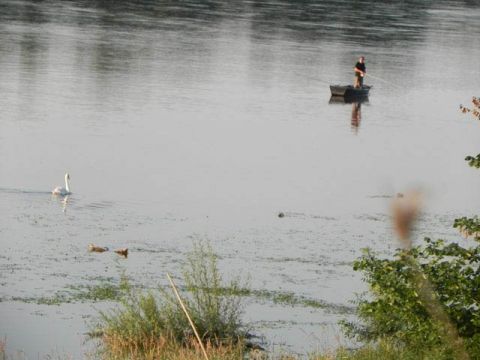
[[104, 291], [290, 298]]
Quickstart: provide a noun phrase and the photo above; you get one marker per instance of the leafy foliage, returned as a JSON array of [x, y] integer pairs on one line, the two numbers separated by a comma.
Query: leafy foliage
[[215, 312], [468, 226], [397, 310], [473, 161], [154, 321], [426, 297], [474, 110]]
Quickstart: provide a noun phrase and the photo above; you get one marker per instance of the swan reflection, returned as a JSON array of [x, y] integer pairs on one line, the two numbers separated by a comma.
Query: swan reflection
[[64, 202]]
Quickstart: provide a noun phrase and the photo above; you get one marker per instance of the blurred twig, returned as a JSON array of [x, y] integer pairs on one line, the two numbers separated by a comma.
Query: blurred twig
[[405, 211]]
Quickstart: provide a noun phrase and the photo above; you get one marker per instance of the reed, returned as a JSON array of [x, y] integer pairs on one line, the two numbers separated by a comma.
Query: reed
[[159, 348], [383, 350]]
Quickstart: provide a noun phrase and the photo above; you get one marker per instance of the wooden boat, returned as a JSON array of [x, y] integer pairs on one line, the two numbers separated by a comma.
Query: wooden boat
[[348, 91]]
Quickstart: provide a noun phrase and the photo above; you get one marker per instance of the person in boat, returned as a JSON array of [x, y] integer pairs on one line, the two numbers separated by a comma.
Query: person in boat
[[360, 71]]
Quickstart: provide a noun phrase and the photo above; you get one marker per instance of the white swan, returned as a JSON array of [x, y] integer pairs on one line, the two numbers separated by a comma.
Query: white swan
[[63, 191]]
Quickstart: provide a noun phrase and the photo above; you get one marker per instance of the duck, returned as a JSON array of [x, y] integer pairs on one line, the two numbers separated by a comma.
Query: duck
[[63, 191], [95, 248], [122, 252]]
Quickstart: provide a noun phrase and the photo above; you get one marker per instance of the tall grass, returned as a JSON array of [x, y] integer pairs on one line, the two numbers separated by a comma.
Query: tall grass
[[215, 312], [385, 350], [152, 325], [168, 349]]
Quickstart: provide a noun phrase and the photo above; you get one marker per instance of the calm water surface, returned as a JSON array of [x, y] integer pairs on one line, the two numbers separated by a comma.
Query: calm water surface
[[203, 120]]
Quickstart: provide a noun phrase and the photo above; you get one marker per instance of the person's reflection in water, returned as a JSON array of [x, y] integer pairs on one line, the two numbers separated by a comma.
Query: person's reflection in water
[[356, 116]]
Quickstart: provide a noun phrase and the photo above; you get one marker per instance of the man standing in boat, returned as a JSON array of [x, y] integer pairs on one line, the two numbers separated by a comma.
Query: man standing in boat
[[360, 71]]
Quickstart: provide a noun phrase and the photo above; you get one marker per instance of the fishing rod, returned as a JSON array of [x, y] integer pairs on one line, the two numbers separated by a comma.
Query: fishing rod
[[319, 80], [385, 81]]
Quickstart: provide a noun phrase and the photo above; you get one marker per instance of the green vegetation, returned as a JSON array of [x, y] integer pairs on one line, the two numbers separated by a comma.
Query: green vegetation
[[287, 298], [424, 303], [105, 291], [110, 290], [383, 350], [468, 226], [399, 310], [102, 291], [153, 325], [473, 161]]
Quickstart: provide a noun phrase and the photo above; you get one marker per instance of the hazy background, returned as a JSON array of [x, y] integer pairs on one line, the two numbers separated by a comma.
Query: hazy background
[[204, 119]]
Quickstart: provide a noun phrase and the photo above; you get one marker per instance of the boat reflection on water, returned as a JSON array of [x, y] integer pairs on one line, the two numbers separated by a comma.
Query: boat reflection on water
[[356, 115]]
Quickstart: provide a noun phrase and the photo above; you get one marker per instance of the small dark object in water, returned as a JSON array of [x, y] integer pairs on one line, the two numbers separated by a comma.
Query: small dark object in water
[[281, 215], [399, 195]]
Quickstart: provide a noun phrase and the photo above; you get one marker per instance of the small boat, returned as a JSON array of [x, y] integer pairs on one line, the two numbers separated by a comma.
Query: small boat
[[348, 91]]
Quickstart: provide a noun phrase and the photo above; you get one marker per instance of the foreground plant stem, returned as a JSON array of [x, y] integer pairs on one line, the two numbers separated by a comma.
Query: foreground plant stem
[[405, 212], [188, 316]]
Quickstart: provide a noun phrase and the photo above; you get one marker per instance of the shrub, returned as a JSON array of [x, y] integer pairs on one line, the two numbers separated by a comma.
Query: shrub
[[398, 310], [154, 323], [216, 309], [426, 297]]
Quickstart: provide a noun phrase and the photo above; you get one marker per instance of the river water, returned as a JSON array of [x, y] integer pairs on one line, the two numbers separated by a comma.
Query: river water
[[202, 120]]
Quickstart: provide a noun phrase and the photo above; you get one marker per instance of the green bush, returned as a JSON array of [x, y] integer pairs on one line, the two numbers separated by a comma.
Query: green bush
[[425, 297], [147, 322], [214, 307], [397, 309]]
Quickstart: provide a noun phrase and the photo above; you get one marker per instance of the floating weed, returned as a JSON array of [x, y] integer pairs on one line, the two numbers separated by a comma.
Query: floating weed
[[288, 298], [100, 292], [104, 291], [54, 300], [300, 260]]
